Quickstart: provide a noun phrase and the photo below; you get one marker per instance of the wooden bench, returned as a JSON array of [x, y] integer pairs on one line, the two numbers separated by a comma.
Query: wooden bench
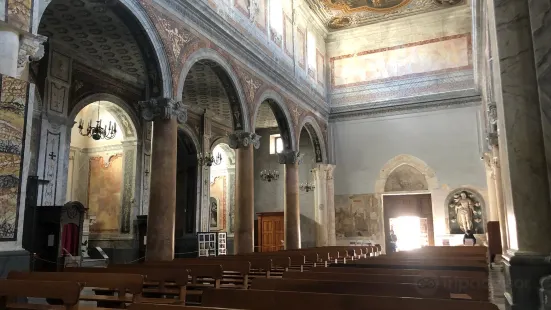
[[359, 288], [432, 264], [170, 307], [476, 288], [158, 281], [404, 272], [66, 292], [129, 284], [277, 300]]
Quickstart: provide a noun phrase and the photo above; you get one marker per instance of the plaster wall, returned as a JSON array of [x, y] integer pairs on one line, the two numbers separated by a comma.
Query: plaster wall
[[447, 141]]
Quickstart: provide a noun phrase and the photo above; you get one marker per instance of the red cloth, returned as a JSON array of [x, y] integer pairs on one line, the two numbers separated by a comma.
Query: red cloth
[[69, 240]]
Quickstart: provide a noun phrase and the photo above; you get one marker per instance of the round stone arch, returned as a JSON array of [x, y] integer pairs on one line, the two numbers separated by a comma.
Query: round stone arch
[[133, 153], [312, 127], [410, 160], [229, 151], [282, 115], [229, 80], [142, 17]]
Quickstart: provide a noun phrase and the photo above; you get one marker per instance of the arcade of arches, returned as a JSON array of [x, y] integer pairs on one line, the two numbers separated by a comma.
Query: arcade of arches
[[340, 123]]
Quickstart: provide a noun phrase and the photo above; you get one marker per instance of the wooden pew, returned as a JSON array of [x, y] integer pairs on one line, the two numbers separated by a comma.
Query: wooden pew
[[66, 292], [159, 281], [405, 272], [358, 288], [476, 288], [428, 263], [277, 300], [170, 307], [128, 284]]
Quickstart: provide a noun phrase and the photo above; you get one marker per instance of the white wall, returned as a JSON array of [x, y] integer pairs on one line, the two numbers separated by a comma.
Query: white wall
[[448, 141]]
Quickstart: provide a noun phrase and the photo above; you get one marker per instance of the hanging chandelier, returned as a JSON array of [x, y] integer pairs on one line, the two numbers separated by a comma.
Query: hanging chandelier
[[269, 175], [98, 132], [307, 187], [208, 159]]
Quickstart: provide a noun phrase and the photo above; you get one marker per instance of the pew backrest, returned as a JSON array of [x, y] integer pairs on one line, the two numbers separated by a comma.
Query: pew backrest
[[67, 292]]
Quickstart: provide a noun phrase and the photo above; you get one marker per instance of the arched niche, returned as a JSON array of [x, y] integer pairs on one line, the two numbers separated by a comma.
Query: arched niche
[[314, 131], [106, 165], [276, 103], [222, 188], [406, 178], [227, 77], [412, 162]]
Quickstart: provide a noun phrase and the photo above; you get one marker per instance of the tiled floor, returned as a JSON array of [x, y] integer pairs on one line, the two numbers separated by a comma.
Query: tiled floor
[[497, 286]]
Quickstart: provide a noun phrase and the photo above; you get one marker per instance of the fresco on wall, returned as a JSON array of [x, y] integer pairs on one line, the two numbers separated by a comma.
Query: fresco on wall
[[288, 35], [218, 203], [357, 217], [13, 99], [406, 178], [408, 60], [367, 5], [301, 48], [320, 65], [104, 193], [465, 212]]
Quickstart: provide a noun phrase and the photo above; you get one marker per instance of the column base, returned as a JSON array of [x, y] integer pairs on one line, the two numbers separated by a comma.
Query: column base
[[523, 271]]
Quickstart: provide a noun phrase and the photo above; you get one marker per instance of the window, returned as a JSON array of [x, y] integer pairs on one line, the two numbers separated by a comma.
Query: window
[[311, 46], [276, 16], [276, 144]]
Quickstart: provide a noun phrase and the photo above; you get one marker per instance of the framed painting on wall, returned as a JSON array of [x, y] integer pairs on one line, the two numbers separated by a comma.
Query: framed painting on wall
[[301, 48]]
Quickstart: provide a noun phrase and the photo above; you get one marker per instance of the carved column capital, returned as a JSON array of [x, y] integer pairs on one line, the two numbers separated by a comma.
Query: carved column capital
[[31, 48], [290, 157], [241, 139], [163, 108]]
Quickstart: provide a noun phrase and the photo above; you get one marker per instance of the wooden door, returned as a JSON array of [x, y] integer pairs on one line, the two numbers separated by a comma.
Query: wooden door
[[270, 231]]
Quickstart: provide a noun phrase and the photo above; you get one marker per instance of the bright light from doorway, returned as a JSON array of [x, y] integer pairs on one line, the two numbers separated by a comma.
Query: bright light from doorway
[[408, 232]]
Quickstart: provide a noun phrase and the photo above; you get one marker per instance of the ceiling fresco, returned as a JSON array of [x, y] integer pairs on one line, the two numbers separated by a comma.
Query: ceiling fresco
[[204, 91], [340, 14]]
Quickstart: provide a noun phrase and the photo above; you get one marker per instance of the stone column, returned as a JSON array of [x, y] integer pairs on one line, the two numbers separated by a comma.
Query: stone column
[[320, 182], [243, 143], [330, 192], [491, 183], [17, 48], [291, 160], [521, 153], [166, 114], [501, 214]]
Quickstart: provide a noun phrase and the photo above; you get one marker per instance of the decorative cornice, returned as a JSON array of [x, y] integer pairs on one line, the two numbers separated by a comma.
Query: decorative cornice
[[164, 108], [290, 157], [240, 139], [210, 23], [367, 111]]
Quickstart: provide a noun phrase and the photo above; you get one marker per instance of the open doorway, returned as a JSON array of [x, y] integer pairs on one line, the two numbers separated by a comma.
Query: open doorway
[[410, 217]]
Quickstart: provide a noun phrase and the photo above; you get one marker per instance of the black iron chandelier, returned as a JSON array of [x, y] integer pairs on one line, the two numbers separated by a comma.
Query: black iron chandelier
[[208, 159], [269, 175], [98, 132], [307, 187]]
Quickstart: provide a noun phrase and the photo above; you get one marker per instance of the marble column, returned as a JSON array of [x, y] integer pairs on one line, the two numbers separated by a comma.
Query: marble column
[[243, 143], [291, 160], [162, 207], [501, 214], [9, 51], [330, 192], [521, 152], [17, 48], [491, 184], [320, 182]]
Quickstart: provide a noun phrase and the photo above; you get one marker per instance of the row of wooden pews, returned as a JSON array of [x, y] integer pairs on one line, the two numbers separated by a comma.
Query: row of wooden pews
[[340, 277]]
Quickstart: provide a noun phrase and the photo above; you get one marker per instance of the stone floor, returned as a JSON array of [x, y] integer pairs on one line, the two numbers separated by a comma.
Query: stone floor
[[497, 286]]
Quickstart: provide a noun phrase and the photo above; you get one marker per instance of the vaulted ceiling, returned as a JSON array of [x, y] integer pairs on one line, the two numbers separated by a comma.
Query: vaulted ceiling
[[204, 91], [340, 14]]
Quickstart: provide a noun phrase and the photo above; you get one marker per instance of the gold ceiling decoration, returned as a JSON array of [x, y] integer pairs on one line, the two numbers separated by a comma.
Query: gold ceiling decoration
[[352, 6]]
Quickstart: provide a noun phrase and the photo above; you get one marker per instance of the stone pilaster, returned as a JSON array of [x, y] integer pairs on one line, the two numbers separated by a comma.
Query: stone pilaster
[[204, 218], [491, 183], [330, 189], [244, 144], [291, 159], [521, 152], [166, 114], [321, 216]]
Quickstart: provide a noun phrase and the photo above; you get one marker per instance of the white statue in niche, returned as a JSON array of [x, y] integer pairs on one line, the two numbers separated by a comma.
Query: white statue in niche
[[464, 208]]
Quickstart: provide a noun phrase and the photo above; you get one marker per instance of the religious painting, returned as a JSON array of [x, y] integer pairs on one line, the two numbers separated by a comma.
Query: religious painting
[[261, 17], [446, 54], [465, 212], [104, 193], [357, 217], [218, 203], [301, 48], [406, 178], [13, 105], [366, 5], [288, 35], [320, 63]]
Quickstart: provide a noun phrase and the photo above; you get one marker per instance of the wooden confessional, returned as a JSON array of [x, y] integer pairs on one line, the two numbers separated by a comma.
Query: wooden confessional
[[271, 233], [51, 233]]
